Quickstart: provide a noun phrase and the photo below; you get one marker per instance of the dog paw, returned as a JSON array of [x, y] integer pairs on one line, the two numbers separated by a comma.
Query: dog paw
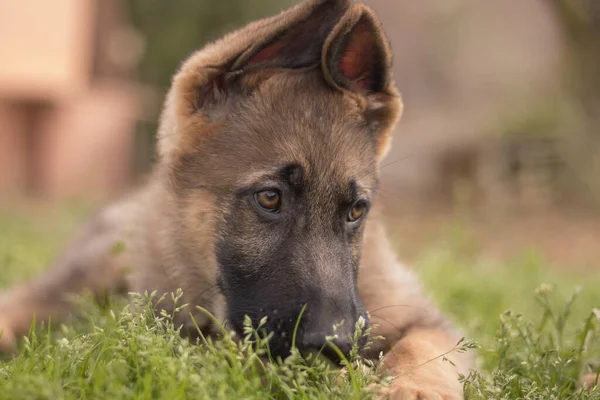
[[413, 392]]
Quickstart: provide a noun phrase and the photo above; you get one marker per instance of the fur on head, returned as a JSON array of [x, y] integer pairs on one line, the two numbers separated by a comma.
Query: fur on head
[[276, 132], [322, 25]]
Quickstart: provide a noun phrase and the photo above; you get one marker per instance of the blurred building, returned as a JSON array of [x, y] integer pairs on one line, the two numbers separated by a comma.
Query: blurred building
[[67, 109]]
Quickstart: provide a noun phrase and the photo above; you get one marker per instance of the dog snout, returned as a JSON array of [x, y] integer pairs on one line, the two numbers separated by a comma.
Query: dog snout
[[334, 348], [332, 337]]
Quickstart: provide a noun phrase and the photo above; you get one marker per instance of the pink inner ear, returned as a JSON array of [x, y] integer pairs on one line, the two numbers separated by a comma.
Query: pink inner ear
[[268, 53], [359, 57], [350, 65]]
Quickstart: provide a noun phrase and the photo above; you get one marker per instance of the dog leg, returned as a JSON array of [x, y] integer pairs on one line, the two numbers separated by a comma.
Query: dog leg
[[418, 368], [93, 261], [416, 334]]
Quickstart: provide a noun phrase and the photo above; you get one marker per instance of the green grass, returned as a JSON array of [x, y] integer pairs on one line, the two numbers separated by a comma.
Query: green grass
[[537, 350]]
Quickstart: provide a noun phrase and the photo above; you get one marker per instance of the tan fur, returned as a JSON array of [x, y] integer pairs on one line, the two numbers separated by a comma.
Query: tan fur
[[169, 234], [203, 65]]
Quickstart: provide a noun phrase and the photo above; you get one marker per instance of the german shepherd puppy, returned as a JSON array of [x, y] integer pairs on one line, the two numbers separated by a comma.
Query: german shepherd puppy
[[269, 148]]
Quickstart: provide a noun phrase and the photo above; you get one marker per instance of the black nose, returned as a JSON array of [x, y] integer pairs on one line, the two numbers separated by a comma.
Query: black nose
[[333, 349]]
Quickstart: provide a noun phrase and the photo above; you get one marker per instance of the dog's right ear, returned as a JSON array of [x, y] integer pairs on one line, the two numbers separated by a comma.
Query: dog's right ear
[[292, 39]]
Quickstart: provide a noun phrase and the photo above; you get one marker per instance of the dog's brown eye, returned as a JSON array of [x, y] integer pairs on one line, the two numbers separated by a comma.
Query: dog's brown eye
[[270, 200], [357, 211]]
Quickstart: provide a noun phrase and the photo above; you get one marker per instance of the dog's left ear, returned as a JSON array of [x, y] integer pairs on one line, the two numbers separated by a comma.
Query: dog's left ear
[[357, 59]]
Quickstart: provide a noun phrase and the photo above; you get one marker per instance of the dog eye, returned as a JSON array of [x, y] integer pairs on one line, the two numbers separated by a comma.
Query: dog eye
[[269, 200], [357, 211]]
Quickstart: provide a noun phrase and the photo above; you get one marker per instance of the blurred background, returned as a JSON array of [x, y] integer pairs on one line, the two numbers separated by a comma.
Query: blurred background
[[501, 132]]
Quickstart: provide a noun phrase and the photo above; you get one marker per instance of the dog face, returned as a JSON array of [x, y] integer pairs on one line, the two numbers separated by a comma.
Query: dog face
[[302, 182], [284, 134]]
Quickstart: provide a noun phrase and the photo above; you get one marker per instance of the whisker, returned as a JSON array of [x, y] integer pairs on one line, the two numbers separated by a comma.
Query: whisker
[[421, 151], [400, 330], [397, 305], [381, 192], [215, 286]]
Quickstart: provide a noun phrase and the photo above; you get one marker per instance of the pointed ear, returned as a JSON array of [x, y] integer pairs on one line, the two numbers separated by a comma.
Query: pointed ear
[[293, 39], [298, 41], [357, 58], [357, 54]]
